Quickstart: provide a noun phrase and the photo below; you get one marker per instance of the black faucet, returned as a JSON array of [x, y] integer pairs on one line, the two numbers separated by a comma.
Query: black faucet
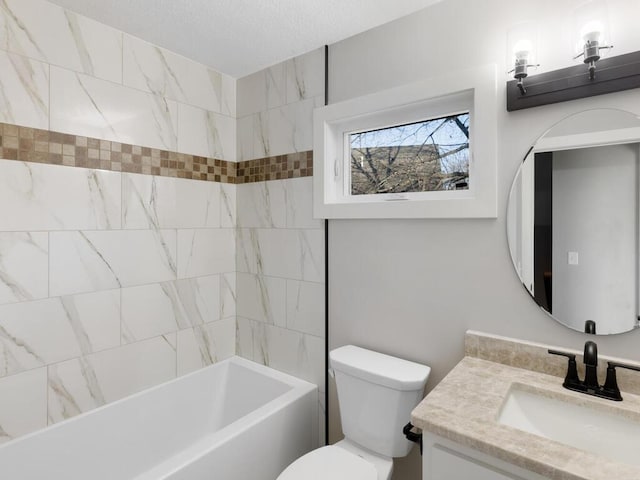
[[590, 384], [590, 359]]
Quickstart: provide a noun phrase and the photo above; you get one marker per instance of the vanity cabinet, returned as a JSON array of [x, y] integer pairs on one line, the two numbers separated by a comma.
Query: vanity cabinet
[[446, 460]]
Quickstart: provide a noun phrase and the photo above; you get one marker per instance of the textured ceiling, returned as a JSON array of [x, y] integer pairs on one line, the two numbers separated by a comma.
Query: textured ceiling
[[239, 37]]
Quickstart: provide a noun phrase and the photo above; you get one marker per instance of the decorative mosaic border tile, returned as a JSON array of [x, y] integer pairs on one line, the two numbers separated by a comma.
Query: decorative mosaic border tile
[[54, 148], [293, 165]]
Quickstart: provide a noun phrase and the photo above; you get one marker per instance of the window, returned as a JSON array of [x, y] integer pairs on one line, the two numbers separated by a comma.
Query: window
[[425, 150], [429, 155]]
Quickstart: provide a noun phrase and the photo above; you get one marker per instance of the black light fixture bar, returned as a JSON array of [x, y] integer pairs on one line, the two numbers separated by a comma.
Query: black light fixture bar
[[613, 74]]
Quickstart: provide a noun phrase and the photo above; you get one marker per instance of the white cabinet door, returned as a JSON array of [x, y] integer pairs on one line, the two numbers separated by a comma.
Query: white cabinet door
[[447, 465]]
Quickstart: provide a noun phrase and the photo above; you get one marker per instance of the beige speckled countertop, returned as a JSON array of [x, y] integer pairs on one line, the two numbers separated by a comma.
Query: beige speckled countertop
[[465, 405]]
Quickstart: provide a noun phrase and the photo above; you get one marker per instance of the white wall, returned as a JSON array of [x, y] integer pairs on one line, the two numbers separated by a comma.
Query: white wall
[[595, 214], [412, 287]]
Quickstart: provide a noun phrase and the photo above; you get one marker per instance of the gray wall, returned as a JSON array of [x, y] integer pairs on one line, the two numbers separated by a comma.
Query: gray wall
[[413, 287]]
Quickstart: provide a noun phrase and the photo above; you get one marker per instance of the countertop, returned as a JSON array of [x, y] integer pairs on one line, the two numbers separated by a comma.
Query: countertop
[[465, 405]]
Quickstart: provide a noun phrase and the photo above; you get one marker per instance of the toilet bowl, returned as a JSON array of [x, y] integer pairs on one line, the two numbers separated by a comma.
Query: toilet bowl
[[376, 393]]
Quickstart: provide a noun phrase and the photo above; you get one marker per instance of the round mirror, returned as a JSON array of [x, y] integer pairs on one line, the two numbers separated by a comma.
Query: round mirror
[[572, 221]]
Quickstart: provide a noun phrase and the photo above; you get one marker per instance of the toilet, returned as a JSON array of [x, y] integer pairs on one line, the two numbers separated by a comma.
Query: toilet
[[376, 393]]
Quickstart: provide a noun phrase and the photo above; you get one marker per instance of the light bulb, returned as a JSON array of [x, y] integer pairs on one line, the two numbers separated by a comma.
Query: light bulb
[[522, 49], [591, 31]]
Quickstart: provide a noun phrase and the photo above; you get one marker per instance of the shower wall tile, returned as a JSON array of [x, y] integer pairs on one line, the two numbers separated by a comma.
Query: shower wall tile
[[286, 129], [24, 266], [244, 138], [152, 310], [262, 205], [305, 76], [53, 197], [87, 382], [291, 352], [88, 260], [299, 194], [161, 72], [262, 90], [205, 345], [262, 298], [228, 205], [85, 105], [38, 333], [260, 251], [46, 32], [206, 133], [24, 90], [151, 202], [228, 295], [24, 403], [305, 307], [205, 252]]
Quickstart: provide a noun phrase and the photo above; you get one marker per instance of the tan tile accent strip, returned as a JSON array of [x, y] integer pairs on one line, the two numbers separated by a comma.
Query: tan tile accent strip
[[55, 148], [534, 356], [293, 165]]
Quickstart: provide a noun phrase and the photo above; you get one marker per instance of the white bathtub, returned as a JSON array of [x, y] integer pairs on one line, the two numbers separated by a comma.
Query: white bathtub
[[232, 420]]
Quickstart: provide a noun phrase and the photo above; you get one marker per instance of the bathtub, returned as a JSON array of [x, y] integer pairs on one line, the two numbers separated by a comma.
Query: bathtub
[[232, 420]]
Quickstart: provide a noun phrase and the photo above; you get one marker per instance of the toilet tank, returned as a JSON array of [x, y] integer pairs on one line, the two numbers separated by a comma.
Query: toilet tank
[[377, 393]]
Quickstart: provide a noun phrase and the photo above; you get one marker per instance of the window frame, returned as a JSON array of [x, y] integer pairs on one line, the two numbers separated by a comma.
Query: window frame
[[471, 91]]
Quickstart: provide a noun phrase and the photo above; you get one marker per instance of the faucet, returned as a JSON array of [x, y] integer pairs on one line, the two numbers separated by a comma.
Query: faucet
[[590, 359], [590, 384]]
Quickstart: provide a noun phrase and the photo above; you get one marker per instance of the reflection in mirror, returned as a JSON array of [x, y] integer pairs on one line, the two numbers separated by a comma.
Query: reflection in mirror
[[573, 225]]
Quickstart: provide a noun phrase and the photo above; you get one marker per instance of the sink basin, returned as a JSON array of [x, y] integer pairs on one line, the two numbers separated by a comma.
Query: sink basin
[[596, 431]]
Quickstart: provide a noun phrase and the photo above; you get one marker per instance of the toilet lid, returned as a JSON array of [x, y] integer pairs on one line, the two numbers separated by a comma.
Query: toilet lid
[[332, 463]]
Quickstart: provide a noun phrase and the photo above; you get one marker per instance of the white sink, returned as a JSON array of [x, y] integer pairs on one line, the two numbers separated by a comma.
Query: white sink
[[595, 431]]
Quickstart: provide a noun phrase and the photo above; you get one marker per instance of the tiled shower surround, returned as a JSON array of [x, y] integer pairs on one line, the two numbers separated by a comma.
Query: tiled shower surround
[[128, 254]]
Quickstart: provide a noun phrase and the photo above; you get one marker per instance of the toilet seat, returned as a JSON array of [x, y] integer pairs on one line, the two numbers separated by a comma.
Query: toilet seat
[[330, 463]]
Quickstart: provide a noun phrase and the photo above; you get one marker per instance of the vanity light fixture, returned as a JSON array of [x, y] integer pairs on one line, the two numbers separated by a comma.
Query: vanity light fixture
[[592, 34]]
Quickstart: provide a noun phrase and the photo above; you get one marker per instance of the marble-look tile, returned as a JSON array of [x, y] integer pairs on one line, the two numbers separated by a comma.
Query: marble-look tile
[[305, 307], [24, 266], [52, 197], [285, 350], [148, 202], [161, 72], [33, 334], [24, 91], [305, 76], [262, 298], [205, 252], [161, 202], [152, 310], [228, 205], [206, 133], [89, 260], [283, 130], [262, 205], [84, 383], [23, 408], [245, 332], [205, 344], [198, 204], [84, 105], [48, 33], [228, 295], [244, 138], [261, 251], [261, 90], [299, 193]]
